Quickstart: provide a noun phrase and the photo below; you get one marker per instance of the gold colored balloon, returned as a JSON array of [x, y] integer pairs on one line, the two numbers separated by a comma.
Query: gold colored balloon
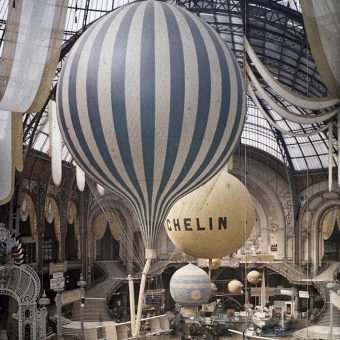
[[215, 264], [254, 277], [213, 288], [235, 287], [213, 221]]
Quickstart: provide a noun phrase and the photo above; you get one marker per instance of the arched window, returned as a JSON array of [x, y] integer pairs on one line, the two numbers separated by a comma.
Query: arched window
[[28, 227]]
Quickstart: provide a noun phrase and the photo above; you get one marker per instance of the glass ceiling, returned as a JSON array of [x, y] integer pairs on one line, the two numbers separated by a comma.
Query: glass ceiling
[[259, 134], [274, 29]]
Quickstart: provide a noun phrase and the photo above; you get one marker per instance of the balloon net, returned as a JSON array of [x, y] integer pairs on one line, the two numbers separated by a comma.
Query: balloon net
[[125, 228]]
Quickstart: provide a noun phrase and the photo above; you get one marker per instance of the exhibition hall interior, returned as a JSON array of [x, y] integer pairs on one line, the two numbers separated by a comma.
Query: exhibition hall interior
[[169, 169]]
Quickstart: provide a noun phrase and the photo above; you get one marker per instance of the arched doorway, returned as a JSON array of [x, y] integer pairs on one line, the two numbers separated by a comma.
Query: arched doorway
[[22, 284], [50, 244], [8, 323], [107, 248], [71, 243], [28, 225], [330, 235], [73, 232], [28, 241], [317, 223]]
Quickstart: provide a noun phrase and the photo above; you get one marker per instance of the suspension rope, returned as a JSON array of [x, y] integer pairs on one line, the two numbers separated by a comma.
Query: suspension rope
[[124, 233]]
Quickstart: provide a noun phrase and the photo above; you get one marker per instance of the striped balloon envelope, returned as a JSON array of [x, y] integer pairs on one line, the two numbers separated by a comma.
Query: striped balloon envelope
[[151, 104]]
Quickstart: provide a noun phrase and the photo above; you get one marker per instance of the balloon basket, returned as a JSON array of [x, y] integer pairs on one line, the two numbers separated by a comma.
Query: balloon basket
[[189, 311]]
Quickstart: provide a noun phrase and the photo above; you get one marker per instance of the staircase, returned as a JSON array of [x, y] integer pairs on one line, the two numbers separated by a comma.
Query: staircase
[[291, 272], [328, 273], [317, 332], [321, 328], [320, 282], [96, 297], [325, 317]]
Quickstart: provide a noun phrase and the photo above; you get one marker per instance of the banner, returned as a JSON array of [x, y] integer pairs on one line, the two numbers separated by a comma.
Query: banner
[[70, 296], [303, 294], [269, 291], [30, 55]]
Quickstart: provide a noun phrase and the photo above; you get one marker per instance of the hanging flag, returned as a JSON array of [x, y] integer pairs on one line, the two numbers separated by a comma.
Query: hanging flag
[[17, 141], [56, 144], [31, 51], [321, 21], [6, 157]]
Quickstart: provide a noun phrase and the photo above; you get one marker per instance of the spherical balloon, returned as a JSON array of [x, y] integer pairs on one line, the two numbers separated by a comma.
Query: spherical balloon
[[213, 288], [190, 286], [213, 221], [235, 287], [215, 264], [254, 277], [151, 104]]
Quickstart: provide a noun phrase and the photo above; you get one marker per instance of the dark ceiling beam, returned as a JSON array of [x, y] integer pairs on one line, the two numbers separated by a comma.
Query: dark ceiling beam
[[245, 11], [280, 141], [86, 12], [289, 12]]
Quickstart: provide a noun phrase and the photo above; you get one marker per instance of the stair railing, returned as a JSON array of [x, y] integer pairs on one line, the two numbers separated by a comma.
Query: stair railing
[[292, 272], [321, 288]]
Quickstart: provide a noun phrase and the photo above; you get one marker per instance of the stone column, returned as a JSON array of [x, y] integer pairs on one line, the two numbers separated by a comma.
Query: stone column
[[298, 247], [83, 226], [63, 223], [315, 249], [40, 197]]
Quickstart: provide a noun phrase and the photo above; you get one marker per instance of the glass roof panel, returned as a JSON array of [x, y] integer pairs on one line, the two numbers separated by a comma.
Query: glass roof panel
[[324, 160], [299, 164], [279, 40], [258, 133], [295, 151]]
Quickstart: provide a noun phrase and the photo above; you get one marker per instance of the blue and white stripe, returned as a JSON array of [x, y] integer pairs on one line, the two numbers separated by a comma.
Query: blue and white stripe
[[151, 105], [190, 286]]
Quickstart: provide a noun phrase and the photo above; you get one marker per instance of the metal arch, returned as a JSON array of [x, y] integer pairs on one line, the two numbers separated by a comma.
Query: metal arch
[[263, 20], [275, 5], [24, 285], [302, 128], [230, 8], [280, 135], [281, 141]]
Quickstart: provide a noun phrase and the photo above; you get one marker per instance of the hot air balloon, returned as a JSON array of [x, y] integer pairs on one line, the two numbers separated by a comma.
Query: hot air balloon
[[214, 220], [190, 287], [151, 105]]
